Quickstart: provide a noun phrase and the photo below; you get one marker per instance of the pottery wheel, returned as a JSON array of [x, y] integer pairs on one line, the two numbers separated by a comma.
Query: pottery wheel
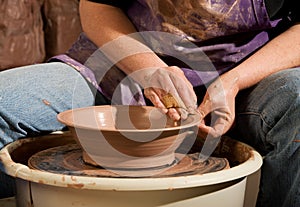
[[67, 159]]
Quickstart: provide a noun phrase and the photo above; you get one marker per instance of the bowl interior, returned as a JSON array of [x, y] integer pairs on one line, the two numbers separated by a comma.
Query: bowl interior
[[124, 118]]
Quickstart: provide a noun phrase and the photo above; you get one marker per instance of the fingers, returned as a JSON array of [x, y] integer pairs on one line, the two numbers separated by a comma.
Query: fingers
[[173, 81], [219, 104], [155, 98], [169, 90], [185, 91], [218, 128], [174, 114], [221, 119]]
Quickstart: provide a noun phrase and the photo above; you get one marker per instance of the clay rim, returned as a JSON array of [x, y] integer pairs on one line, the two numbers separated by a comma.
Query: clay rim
[[192, 120]]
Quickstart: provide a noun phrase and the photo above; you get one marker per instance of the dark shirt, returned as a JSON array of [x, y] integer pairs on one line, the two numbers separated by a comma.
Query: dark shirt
[[283, 8], [123, 4]]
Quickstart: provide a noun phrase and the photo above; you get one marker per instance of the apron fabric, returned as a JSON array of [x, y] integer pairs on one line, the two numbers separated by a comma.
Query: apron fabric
[[208, 38]]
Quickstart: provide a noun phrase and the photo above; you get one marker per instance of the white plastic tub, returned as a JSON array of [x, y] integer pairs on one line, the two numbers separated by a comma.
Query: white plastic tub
[[43, 189]]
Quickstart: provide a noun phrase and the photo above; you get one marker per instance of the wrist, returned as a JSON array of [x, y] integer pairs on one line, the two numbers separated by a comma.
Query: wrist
[[232, 79]]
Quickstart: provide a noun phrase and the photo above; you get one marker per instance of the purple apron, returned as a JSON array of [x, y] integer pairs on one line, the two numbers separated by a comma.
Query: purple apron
[[208, 38]]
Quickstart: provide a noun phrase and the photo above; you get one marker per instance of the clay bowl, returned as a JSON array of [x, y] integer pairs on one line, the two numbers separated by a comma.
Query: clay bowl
[[127, 137]]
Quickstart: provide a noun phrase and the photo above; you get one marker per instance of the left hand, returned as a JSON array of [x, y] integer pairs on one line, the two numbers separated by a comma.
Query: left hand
[[219, 103], [169, 83]]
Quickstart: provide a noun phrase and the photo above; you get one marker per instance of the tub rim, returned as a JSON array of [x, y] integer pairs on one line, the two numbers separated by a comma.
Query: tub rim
[[22, 171]]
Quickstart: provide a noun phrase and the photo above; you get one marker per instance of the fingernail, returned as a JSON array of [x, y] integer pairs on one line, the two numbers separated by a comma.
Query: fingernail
[[175, 117]]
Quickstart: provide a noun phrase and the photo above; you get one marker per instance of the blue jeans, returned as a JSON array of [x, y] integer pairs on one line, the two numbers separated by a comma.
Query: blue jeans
[[31, 97], [268, 118]]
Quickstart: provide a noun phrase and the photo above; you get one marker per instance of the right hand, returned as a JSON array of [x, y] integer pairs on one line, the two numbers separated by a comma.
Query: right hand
[[159, 82], [219, 103]]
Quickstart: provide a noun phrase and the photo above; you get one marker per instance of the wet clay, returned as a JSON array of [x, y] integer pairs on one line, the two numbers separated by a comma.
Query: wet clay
[[116, 134], [67, 159]]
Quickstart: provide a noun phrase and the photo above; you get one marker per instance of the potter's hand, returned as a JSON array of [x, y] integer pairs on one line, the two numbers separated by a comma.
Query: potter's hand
[[219, 104], [168, 89]]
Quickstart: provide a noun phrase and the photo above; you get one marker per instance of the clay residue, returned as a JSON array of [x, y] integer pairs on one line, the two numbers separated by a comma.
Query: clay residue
[[67, 160]]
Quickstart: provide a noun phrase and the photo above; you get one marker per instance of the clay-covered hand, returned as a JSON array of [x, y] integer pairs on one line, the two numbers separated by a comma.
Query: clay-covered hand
[[168, 89], [218, 106]]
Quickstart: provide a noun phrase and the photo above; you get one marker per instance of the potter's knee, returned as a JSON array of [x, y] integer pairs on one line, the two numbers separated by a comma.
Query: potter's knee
[[286, 85]]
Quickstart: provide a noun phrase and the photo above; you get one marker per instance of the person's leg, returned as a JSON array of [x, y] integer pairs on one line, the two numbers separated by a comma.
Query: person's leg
[[268, 118], [32, 96]]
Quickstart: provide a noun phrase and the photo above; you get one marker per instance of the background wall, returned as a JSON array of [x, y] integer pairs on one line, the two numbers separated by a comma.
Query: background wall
[[31, 31]]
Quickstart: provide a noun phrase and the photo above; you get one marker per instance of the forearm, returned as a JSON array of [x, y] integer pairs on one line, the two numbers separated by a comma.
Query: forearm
[[281, 53], [107, 27]]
